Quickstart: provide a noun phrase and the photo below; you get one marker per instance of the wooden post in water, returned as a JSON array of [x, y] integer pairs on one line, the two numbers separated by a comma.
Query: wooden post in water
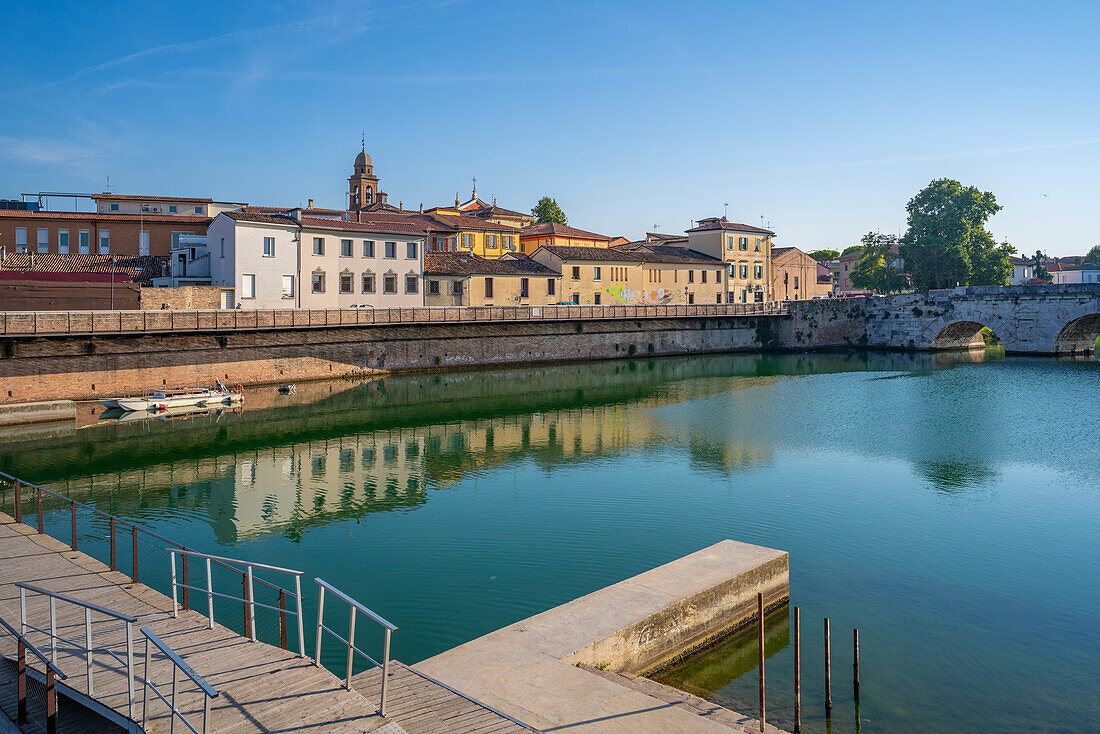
[[855, 662], [760, 614], [797, 676], [828, 673]]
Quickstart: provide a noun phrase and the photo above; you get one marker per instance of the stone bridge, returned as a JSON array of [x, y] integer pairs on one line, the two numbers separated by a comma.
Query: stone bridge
[[1028, 319]]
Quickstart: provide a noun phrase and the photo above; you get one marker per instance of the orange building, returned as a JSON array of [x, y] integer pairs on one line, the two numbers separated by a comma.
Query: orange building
[[550, 234]]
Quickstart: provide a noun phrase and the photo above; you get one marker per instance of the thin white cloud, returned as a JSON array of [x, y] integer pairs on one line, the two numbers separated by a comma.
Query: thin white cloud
[[45, 150], [987, 153]]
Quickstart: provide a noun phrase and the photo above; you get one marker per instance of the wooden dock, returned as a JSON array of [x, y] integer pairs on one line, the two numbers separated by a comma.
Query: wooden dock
[[262, 688]]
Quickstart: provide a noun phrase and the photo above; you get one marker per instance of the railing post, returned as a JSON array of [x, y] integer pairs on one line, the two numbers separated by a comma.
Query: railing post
[[351, 650], [282, 619], [18, 502], [88, 648], [53, 631], [41, 519], [175, 604], [145, 688], [320, 623], [113, 565], [130, 666], [72, 508], [134, 577], [186, 583], [21, 667], [51, 702], [209, 594], [247, 606], [301, 624], [251, 604], [385, 671]]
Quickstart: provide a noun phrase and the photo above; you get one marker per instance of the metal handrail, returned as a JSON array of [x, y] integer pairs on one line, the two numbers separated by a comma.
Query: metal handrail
[[355, 606], [86, 646], [52, 671], [177, 665], [250, 595]]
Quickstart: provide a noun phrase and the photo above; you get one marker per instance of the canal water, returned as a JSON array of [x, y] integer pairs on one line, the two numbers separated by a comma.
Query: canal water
[[946, 505]]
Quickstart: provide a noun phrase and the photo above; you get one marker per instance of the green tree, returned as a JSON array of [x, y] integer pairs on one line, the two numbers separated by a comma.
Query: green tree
[[1093, 256], [947, 243], [1040, 270], [875, 270], [547, 210], [824, 255], [853, 248]]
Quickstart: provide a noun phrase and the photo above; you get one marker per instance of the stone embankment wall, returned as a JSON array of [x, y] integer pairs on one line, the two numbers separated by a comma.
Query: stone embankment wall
[[181, 297], [81, 367]]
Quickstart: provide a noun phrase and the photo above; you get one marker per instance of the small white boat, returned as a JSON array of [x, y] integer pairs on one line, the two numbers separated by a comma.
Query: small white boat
[[109, 402], [176, 398]]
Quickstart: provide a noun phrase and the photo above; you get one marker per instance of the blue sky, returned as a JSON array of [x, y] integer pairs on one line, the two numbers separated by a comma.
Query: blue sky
[[822, 118]]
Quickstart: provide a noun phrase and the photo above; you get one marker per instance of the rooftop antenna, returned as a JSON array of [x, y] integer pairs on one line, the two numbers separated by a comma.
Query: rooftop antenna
[[475, 187], [108, 183], [725, 209], [364, 141]]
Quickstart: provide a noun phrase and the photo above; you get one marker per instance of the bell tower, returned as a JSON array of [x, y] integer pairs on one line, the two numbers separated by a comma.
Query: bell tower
[[363, 191]]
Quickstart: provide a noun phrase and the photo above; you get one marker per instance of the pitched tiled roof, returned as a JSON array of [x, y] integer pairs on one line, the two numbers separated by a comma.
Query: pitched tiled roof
[[260, 217], [560, 230], [135, 197], [660, 253], [570, 252], [140, 268], [378, 223], [463, 221], [706, 225], [464, 263]]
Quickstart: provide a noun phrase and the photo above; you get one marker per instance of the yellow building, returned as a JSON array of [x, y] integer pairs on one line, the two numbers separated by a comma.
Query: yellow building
[[634, 274], [478, 209], [546, 234], [481, 237], [746, 252], [462, 279], [798, 277]]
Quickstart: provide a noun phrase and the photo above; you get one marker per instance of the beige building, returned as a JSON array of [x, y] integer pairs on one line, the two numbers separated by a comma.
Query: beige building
[[746, 252], [464, 279], [635, 274], [551, 233], [796, 276]]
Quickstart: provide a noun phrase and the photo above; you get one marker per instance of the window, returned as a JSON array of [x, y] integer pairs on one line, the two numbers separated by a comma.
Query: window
[[691, 276], [145, 207], [524, 291], [691, 298], [549, 286], [467, 240], [318, 245], [104, 242], [742, 295], [729, 241], [718, 276], [576, 273], [84, 242], [433, 287], [368, 282], [318, 282], [198, 210], [596, 298], [114, 207], [143, 242], [508, 243], [757, 244], [171, 208], [595, 273], [368, 248], [456, 287], [703, 276], [43, 240], [743, 270], [391, 250], [719, 298], [389, 284], [742, 243], [63, 241], [488, 287], [757, 271], [410, 250], [576, 298], [412, 284], [269, 247], [796, 282], [491, 241], [288, 286], [248, 286], [20, 239], [758, 297], [345, 248]]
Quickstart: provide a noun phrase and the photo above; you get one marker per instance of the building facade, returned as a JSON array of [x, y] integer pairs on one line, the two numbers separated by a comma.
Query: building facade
[[796, 276], [546, 234], [94, 233], [269, 261], [462, 279], [746, 252]]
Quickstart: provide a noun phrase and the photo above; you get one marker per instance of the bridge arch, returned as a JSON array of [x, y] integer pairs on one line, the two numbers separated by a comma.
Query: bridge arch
[[959, 335], [1079, 335]]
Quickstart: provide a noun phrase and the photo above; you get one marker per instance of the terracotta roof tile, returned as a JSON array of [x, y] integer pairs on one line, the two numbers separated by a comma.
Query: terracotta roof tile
[[560, 230], [140, 268], [706, 225], [104, 216], [464, 263]]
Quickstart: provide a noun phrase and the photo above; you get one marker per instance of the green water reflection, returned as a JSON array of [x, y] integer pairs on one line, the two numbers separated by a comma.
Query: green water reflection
[[944, 504]]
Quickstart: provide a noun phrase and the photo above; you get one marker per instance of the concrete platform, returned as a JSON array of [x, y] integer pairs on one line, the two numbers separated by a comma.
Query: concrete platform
[[531, 669]]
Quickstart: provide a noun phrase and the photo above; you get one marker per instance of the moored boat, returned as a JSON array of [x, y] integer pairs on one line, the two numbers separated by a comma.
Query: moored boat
[[182, 397]]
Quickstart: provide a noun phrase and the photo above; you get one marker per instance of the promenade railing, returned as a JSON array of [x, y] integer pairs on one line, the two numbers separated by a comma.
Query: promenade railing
[[23, 323], [178, 666], [22, 710]]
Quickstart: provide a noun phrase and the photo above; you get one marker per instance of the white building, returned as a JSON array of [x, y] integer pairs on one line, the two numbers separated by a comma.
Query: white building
[[1022, 271], [1076, 274], [277, 260]]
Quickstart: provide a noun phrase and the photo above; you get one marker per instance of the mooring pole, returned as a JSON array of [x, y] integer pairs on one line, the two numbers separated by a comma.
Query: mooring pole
[[855, 662], [828, 673], [797, 676], [760, 614]]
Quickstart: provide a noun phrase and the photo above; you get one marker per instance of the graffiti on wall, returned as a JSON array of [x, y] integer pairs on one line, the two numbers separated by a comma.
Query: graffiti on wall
[[620, 293]]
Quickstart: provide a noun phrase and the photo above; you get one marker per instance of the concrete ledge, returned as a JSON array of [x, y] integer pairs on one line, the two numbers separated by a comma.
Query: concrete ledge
[[530, 669], [54, 410]]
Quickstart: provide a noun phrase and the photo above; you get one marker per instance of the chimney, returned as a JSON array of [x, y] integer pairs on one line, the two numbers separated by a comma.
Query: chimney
[[296, 214], [421, 207], [310, 204]]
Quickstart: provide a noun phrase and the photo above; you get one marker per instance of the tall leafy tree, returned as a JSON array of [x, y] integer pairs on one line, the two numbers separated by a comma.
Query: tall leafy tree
[[947, 243], [1040, 270], [875, 270], [1093, 256], [547, 210], [853, 248], [824, 255]]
